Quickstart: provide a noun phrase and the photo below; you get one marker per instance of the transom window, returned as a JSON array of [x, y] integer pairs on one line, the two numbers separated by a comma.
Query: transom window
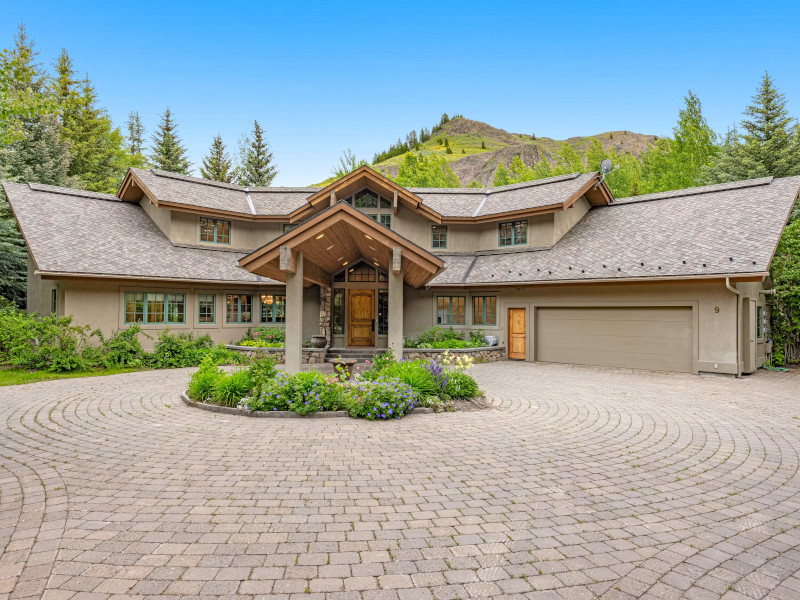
[[514, 233], [373, 205], [215, 231], [439, 236], [450, 310], [206, 308], [273, 308], [154, 308], [484, 310], [360, 273], [239, 308]]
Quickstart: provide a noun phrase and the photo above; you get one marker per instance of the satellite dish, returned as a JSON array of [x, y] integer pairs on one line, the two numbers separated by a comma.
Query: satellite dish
[[606, 166]]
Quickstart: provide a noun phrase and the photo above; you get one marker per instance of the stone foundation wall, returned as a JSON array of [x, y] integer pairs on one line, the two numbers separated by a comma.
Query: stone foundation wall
[[488, 354], [311, 356]]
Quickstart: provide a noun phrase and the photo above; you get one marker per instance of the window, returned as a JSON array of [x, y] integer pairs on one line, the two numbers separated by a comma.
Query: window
[[484, 310], [383, 312], [450, 310], [372, 205], [239, 308], [439, 236], [339, 277], [215, 231], [287, 227], [273, 308], [514, 233], [759, 322], [206, 308], [54, 300], [361, 273], [338, 312], [155, 308]]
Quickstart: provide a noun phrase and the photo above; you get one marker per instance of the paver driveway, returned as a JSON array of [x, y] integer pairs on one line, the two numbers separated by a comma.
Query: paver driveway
[[577, 483]]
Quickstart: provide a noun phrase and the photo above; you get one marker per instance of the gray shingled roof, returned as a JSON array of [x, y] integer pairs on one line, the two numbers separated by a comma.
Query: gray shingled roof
[[71, 231], [718, 230], [482, 202], [193, 191]]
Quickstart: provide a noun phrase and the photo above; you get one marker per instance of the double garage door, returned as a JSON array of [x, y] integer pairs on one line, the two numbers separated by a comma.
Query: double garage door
[[658, 338]]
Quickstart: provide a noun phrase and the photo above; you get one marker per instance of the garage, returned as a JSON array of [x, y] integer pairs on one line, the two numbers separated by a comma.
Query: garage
[[657, 338]]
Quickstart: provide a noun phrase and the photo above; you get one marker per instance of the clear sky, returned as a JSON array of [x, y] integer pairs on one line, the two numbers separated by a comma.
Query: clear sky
[[322, 77]]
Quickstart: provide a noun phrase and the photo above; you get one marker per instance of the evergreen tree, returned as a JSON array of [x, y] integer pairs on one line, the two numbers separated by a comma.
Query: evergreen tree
[[135, 140], [168, 153], [64, 86], [217, 164], [256, 167], [768, 145]]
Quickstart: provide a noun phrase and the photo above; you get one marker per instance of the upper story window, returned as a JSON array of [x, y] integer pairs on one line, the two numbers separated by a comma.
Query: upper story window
[[373, 205], [513, 233], [215, 231], [439, 236], [154, 308], [287, 227]]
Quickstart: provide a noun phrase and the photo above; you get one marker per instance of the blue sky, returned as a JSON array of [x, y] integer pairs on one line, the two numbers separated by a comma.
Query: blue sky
[[322, 77]]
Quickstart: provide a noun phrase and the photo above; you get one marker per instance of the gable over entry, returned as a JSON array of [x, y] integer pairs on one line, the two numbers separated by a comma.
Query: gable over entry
[[325, 244]]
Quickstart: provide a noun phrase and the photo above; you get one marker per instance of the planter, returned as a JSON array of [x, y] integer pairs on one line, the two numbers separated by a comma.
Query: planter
[[346, 365], [319, 341]]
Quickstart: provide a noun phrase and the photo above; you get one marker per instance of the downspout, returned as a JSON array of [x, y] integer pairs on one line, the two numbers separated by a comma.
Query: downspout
[[738, 325]]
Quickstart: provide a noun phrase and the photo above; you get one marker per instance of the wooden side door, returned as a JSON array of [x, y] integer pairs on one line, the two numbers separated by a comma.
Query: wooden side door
[[361, 326], [749, 335], [517, 340]]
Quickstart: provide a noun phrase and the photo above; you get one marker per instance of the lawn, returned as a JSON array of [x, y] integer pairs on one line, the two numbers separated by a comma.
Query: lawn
[[20, 376]]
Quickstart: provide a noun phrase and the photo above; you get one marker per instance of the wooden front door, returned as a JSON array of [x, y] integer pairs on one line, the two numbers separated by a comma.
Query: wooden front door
[[516, 333], [361, 327]]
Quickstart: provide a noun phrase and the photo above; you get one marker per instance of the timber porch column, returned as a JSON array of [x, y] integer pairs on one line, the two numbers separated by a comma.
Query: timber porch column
[[396, 304], [292, 263]]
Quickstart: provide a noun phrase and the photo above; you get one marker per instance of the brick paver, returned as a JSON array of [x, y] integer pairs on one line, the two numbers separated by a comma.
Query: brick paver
[[576, 483]]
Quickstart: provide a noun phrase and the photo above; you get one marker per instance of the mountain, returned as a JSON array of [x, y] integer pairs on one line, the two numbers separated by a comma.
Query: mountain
[[479, 163]]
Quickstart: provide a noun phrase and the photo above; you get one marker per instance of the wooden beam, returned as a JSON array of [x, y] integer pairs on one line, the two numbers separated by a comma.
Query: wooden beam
[[333, 197], [394, 202], [288, 260], [397, 260]]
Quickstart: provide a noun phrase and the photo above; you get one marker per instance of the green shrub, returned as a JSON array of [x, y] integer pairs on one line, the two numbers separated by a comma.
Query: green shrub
[[412, 373], [221, 355], [122, 348], [461, 386], [303, 393], [444, 338], [173, 351], [264, 337], [203, 381], [262, 369], [382, 399], [232, 387]]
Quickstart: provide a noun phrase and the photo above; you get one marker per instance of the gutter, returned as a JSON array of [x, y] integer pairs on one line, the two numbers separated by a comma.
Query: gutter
[[738, 324]]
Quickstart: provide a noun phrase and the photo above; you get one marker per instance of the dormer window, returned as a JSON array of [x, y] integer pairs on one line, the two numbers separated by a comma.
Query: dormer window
[[373, 205], [215, 231], [513, 233]]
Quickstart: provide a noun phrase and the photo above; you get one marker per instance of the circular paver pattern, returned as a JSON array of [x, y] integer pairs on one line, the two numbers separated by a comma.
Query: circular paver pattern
[[575, 483]]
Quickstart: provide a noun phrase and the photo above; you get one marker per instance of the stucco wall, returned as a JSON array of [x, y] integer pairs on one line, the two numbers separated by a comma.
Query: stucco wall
[[39, 293], [245, 235], [713, 305], [100, 303], [160, 216]]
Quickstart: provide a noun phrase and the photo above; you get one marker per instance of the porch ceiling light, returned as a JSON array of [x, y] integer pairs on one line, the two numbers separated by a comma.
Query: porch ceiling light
[[344, 264], [366, 236], [321, 235]]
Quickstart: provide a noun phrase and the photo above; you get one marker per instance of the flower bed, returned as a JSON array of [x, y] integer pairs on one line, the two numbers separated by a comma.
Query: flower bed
[[389, 389]]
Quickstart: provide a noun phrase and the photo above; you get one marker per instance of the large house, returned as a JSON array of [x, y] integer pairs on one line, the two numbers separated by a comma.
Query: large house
[[557, 269]]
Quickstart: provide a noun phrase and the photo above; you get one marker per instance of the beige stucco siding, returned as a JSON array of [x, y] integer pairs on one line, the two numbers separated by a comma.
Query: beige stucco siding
[[100, 303], [39, 293], [245, 235], [160, 216]]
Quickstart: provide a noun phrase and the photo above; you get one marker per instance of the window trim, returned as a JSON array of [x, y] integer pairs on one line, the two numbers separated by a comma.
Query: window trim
[[433, 239], [484, 323], [54, 301], [759, 322], [274, 303], [450, 311], [239, 308], [213, 312], [514, 241], [215, 235], [144, 320]]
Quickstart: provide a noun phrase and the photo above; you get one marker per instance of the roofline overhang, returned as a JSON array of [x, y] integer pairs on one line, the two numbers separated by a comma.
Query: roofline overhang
[[744, 277], [107, 276]]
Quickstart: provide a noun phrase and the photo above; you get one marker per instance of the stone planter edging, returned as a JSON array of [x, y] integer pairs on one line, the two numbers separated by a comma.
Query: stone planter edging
[[311, 356], [316, 356], [276, 414]]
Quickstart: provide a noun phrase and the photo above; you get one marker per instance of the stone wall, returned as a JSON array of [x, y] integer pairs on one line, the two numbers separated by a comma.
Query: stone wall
[[325, 313], [311, 356], [487, 354]]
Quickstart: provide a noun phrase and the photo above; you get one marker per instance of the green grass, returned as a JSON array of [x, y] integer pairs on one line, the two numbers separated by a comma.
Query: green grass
[[22, 376]]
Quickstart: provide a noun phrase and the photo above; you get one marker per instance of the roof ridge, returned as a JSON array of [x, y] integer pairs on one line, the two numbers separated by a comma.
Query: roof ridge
[[695, 191], [538, 182], [229, 186], [57, 189]]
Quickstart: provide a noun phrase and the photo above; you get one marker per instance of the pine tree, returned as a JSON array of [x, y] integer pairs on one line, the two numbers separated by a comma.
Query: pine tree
[[256, 168], [217, 164], [168, 153], [135, 140], [64, 86]]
